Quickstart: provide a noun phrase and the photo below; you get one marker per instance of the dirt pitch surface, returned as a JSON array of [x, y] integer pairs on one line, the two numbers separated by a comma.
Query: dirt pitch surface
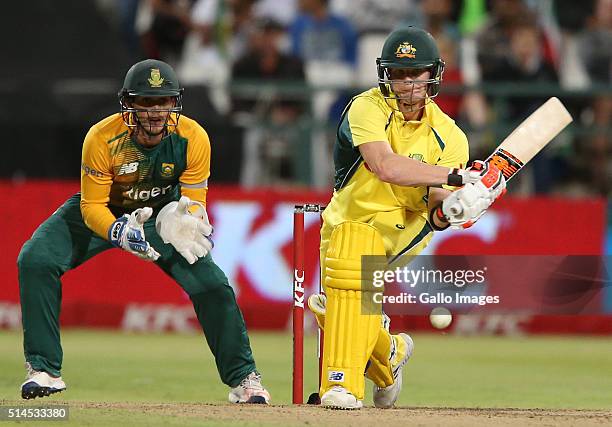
[[316, 416]]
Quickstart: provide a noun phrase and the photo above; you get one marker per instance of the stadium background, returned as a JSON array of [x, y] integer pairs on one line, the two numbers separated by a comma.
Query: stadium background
[[62, 66]]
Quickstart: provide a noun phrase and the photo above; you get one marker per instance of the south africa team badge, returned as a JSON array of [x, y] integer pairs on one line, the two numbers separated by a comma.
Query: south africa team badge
[[167, 170]]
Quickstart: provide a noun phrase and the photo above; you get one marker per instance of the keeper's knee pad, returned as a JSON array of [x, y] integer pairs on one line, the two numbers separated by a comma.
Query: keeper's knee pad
[[350, 335]]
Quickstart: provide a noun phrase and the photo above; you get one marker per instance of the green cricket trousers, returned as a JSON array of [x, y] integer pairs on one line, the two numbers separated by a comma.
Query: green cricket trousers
[[64, 242]]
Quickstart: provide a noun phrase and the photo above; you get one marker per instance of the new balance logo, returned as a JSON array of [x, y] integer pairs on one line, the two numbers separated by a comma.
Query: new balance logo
[[335, 376], [127, 168]]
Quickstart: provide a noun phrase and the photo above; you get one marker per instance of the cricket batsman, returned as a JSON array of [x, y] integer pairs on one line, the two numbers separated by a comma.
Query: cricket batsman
[[144, 180], [399, 175]]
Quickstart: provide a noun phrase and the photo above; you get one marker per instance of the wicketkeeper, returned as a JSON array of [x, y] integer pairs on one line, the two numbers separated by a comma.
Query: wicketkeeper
[[144, 179], [398, 161]]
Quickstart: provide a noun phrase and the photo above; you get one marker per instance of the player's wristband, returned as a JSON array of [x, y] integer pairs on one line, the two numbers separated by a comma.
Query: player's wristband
[[437, 213], [454, 179]]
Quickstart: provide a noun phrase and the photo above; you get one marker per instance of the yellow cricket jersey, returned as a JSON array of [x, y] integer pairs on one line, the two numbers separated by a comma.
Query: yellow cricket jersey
[[119, 175], [399, 213]]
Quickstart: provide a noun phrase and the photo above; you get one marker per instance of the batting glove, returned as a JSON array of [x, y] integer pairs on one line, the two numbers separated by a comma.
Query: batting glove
[[473, 174], [463, 207]]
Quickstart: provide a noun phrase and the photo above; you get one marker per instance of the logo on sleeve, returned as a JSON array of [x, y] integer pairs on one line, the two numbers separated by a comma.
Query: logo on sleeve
[[91, 171]]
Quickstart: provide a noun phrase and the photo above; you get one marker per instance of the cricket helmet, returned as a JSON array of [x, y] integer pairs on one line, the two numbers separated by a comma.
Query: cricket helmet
[[410, 47], [150, 78]]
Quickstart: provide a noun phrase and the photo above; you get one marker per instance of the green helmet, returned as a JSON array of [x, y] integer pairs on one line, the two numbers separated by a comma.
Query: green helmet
[[410, 47], [150, 78]]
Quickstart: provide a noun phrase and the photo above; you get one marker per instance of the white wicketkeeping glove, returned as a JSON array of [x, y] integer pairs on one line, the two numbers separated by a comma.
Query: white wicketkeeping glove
[[127, 232], [187, 230], [462, 208]]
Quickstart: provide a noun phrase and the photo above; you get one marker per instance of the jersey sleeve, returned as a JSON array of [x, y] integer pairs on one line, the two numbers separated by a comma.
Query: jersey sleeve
[[366, 121], [194, 180], [456, 153], [96, 181]]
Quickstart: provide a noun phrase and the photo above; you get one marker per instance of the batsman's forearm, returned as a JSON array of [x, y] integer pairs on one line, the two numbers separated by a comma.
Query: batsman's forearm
[[401, 170]]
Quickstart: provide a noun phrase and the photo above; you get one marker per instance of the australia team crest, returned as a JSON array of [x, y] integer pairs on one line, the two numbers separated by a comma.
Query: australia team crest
[[405, 50]]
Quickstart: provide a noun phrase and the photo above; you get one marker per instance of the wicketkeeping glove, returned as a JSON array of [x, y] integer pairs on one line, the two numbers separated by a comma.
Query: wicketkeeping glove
[[184, 224], [127, 233], [462, 208]]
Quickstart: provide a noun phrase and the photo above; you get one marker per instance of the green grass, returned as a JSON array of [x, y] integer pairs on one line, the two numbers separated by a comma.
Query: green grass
[[446, 371]]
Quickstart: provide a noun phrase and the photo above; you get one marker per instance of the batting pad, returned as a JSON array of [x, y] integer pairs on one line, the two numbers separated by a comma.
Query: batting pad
[[350, 336], [379, 369]]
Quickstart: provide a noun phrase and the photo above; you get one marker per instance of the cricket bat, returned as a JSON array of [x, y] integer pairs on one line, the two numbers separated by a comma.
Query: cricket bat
[[527, 140], [533, 134]]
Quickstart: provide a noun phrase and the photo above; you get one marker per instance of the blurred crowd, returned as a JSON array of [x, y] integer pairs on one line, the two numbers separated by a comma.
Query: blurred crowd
[[300, 61]]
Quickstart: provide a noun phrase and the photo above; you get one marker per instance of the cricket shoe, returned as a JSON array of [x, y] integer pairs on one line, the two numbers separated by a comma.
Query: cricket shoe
[[250, 390], [401, 350], [340, 398], [40, 384]]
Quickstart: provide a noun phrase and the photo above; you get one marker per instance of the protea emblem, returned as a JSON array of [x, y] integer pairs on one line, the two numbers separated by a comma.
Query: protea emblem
[[156, 79], [167, 169]]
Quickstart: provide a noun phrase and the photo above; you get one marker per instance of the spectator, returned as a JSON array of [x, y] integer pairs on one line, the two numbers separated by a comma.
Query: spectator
[[220, 30], [283, 12], [128, 10], [272, 150], [437, 16], [572, 15], [596, 43], [319, 35], [327, 43], [493, 39], [596, 53], [369, 16], [168, 31], [525, 63], [265, 61]]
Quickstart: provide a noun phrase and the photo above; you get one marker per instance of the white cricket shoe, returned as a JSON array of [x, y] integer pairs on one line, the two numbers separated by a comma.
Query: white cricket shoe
[[250, 390], [385, 397], [40, 384], [340, 398]]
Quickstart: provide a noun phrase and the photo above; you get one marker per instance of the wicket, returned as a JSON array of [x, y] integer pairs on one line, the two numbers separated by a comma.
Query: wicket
[[299, 300]]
